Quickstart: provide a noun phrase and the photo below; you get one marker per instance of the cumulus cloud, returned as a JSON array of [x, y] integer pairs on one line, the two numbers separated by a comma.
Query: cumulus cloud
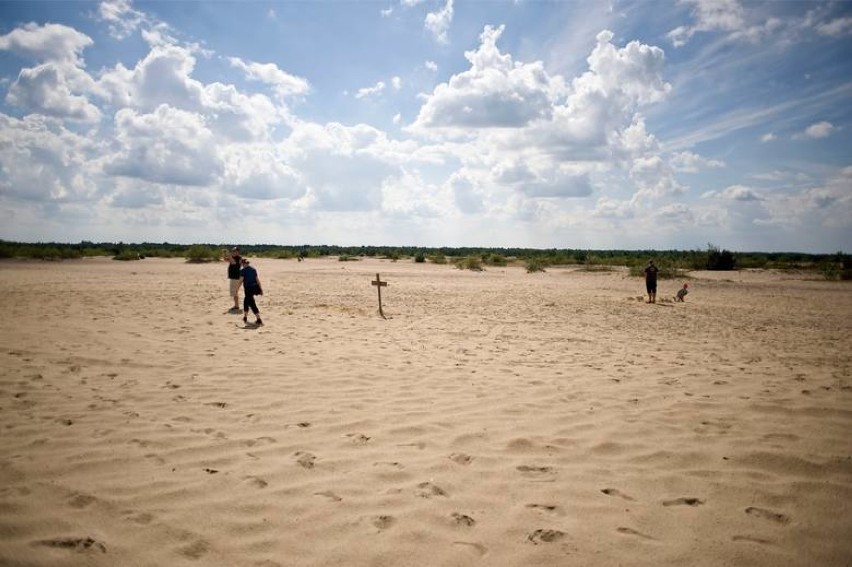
[[366, 92], [58, 86], [494, 92], [50, 42], [42, 161], [169, 146], [123, 20], [768, 137], [819, 130], [690, 162], [709, 15], [836, 27], [284, 83], [438, 22]]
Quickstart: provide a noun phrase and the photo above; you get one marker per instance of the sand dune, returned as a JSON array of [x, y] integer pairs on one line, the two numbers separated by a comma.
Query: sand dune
[[497, 418]]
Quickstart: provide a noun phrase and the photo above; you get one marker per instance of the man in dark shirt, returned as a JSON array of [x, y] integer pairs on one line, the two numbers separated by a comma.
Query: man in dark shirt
[[651, 281], [233, 260], [251, 287]]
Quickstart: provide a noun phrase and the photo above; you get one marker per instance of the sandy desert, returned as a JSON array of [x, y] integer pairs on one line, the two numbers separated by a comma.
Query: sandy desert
[[498, 418]]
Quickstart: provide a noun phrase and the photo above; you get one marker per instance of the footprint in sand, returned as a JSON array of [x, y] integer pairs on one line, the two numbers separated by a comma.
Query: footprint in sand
[[751, 539], [463, 519], [81, 500], [686, 501], [428, 490], [330, 495], [545, 507], [74, 543], [767, 515], [631, 531], [195, 550], [256, 481], [359, 438], [461, 458], [478, 547], [383, 522], [616, 492], [534, 470], [306, 460], [545, 536]]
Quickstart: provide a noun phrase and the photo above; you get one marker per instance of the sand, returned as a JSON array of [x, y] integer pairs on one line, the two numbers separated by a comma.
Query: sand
[[497, 418]]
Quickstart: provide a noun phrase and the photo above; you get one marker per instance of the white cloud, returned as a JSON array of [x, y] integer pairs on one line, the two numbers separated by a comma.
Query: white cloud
[[47, 89], [768, 137], [819, 130], [836, 27], [709, 15], [50, 42], [169, 146], [438, 22], [284, 83], [494, 92], [58, 86], [375, 90], [691, 162], [431, 65], [122, 18], [43, 162]]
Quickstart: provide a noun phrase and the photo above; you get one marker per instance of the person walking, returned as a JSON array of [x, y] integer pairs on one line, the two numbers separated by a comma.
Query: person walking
[[251, 287], [651, 281], [233, 258]]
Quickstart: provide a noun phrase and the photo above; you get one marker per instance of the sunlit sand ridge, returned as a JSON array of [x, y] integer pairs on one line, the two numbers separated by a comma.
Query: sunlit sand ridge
[[497, 418]]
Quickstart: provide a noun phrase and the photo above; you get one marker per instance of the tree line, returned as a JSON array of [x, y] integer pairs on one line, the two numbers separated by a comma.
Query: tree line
[[833, 266]]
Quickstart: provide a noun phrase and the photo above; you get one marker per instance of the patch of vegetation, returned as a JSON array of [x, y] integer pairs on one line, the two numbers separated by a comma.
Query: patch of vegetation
[[536, 265], [472, 263], [419, 258], [127, 256], [347, 258], [494, 260], [438, 259], [200, 254]]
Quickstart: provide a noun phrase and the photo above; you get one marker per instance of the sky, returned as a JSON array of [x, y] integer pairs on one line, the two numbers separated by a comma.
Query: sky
[[529, 123]]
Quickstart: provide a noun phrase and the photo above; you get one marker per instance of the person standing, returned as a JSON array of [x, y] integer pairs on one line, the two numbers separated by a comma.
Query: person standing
[[251, 287], [233, 260], [651, 281]]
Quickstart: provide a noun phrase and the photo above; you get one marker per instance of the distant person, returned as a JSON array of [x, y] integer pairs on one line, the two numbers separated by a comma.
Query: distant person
[[681, 293], [651, 281], [251, 287], [233, 258]]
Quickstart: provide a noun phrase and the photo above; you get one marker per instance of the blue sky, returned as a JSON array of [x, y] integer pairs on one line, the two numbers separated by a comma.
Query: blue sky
[[566, 124]]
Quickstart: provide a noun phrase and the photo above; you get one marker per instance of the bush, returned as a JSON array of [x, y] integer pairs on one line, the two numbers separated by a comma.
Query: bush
[[438, 259], [494, 260], [198, 254], [126, 256], [719, 259], [536, 265], [471, 263], [420, 257]]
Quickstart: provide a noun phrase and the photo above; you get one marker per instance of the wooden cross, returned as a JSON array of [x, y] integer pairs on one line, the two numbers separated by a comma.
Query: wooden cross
[[379, 285]]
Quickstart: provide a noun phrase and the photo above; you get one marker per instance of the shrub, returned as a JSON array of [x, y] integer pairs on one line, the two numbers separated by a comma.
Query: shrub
[[719, 259], [420, 257], [471, 263], [198, 254], [536, 265], [494, 260], [438, 259], [126, 256]]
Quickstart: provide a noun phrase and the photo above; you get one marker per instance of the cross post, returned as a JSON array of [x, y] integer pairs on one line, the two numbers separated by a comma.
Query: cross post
[[379, 285]]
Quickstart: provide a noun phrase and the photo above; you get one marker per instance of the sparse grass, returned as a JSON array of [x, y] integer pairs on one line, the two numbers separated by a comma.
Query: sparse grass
[[347, 258], [536, 265], [471, 263], [128, 256]]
